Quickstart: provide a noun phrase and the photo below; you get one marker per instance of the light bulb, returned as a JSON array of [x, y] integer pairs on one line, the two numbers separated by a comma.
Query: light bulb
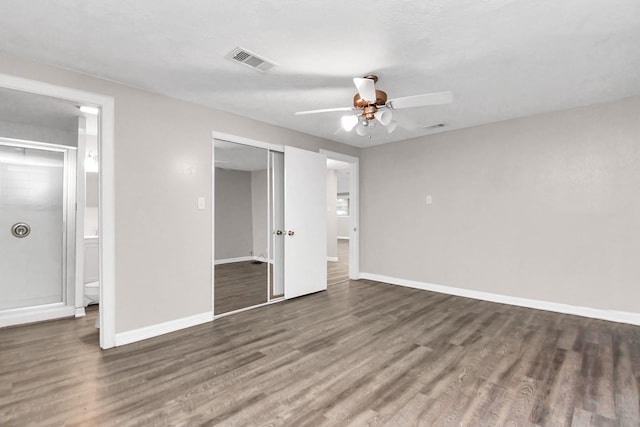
[[384, 117], [348, 122], [361, 129]]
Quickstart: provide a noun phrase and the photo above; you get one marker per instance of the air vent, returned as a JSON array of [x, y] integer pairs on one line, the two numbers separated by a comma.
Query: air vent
[[436, 126], [250, 59]]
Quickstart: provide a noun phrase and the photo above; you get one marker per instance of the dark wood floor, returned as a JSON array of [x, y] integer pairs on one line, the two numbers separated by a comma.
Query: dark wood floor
[[361, 353], [239, 285], [244, 284]]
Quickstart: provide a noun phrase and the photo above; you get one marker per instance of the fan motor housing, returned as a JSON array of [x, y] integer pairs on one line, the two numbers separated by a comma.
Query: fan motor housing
[[381, 99]]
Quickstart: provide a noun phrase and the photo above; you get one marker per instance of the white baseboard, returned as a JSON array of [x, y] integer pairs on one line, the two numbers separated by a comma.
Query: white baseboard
[[146, 332], [241, 259], [332, 258], [19, 316], [595, 313], [80, 312], [343, 237], [230, 260]]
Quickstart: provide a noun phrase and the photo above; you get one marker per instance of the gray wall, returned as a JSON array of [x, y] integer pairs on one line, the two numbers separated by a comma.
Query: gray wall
[[343, 225], [234, 236], [162, 165], [34, 132], [332, 226], [544, 207]]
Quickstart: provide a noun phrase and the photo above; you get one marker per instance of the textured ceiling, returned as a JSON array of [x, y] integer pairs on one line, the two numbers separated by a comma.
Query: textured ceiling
[[501, 59]]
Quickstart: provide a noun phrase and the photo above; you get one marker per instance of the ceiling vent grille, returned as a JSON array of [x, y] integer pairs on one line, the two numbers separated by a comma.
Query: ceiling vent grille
[[250, 59]]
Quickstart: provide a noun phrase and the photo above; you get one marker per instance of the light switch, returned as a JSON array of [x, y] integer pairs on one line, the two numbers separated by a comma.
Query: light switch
[[429, 199], [201, 203]]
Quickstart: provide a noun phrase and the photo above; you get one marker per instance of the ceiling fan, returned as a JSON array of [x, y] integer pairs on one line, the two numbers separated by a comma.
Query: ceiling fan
[[371, 104]]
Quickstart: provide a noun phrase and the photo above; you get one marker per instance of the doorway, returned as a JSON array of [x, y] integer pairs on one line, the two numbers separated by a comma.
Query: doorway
[[342, 218], [29, 98]]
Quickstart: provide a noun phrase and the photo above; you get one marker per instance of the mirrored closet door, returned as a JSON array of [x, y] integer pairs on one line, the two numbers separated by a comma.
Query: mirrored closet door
[[248, 212]]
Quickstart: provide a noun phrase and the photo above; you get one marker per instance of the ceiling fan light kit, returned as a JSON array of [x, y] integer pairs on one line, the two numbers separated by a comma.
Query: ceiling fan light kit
[[362, 129], [384, 117], [349, 122], [373, 104]]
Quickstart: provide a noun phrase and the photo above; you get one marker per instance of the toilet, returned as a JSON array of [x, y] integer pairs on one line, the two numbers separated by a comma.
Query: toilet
[[91, 293]]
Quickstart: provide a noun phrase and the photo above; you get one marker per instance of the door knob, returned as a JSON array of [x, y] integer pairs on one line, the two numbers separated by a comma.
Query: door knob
[[290, 232], [279, 232]]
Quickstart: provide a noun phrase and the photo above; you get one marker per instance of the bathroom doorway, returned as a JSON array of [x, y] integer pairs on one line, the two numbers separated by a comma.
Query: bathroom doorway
[[43, 141], [26, 96]]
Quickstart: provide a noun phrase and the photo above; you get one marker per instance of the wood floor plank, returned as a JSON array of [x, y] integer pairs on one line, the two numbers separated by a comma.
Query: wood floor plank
[[362, 353]]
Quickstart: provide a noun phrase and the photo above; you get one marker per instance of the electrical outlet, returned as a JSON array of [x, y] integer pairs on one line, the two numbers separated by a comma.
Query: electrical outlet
[[429, 199]]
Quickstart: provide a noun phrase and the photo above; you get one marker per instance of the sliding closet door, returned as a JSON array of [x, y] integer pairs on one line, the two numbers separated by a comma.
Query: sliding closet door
[[305, 250]]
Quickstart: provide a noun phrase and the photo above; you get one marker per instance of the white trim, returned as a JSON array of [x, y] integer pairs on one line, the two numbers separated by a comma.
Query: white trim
[[332, 259], [70, 227], [107, 224], [247, 141], [80, 312], [595, 313], [232, 260], [106, 198], [36, 145], [343, 237], [80, 211], [240, 310], [354, 214], [152, 331], [17, 316]]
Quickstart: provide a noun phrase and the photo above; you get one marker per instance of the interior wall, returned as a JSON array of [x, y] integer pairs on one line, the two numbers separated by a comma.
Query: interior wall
[[343, 223], [343, 180], [545, 207], [259, 207], [332, 227], [91, 204], [163, 151], [233, 214], [38, 133]]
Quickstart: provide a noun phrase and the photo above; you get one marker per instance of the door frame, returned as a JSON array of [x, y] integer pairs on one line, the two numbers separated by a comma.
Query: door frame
[[106, 104], [66, 307], [354, 207], [252, 143]]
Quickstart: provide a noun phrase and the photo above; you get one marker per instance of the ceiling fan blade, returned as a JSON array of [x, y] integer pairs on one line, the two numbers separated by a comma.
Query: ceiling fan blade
[[325, 110], [426, 99], [366, 89]]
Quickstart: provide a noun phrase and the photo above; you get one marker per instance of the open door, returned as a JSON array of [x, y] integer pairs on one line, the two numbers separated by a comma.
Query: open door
[[305, 251]]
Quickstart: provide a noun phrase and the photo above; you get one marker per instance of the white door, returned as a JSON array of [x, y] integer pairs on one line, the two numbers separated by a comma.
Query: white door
[[31, 227], [305, 250]]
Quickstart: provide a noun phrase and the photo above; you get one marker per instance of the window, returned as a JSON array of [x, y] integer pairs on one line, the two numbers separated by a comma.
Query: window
[[342, 206]]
